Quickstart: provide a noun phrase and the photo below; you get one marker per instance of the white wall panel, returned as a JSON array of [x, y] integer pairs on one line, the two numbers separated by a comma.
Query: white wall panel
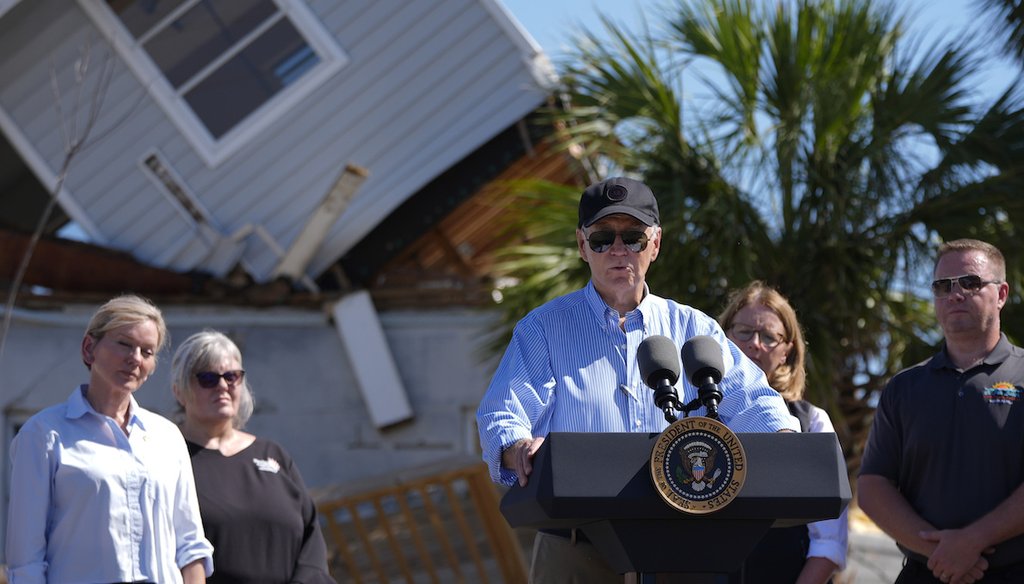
[[427, 83], [27, 35]]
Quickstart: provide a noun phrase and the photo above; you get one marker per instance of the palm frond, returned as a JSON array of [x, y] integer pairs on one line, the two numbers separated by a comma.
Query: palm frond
[[838, 154]]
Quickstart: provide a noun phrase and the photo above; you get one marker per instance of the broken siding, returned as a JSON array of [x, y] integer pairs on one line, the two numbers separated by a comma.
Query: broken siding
[[404, 108], [427, 82], [26, 61], [487, 87], [128, 210], [28, 30]]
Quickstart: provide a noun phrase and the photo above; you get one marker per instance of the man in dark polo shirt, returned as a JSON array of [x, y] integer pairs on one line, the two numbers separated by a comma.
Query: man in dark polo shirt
[[942, 471]]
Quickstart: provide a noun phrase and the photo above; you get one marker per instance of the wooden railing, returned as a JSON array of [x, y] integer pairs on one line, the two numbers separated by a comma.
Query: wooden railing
[[440, 527]]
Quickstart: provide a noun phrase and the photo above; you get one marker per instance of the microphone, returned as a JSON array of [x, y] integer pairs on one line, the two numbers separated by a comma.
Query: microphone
[[659, 366], [702, 361]]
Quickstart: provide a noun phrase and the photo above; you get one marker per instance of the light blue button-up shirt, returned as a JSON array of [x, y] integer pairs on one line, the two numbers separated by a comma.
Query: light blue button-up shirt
[[92, 504], [828, 538], [571, 368]]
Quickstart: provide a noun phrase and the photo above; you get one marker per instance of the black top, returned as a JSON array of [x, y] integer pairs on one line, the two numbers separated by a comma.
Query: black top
[[259, 516], [952, 440]]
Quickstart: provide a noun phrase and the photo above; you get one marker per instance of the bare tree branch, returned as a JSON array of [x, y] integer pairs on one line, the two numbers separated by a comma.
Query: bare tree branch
[[74, 142]]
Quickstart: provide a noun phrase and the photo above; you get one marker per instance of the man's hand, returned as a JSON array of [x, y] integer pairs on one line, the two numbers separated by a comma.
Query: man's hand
[[957, 557], [519, 457]]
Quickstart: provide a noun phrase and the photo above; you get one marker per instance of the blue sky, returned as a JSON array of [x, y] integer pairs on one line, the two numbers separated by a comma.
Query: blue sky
[[552, 22]]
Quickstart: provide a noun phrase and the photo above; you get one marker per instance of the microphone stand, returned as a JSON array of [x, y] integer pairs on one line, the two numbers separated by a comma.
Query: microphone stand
[[666, 398], [709, 395]]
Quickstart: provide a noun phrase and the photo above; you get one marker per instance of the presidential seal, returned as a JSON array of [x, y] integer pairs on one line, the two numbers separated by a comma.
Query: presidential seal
[[698, 465]]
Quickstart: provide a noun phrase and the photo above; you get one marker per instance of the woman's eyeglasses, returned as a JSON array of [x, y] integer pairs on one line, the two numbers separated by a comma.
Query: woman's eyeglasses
[[210, 380], [602, 241], [969, 283], [744, 333]]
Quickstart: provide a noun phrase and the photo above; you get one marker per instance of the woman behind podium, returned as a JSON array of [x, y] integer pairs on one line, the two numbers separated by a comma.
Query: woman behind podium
[[761, 322], [255, 507]]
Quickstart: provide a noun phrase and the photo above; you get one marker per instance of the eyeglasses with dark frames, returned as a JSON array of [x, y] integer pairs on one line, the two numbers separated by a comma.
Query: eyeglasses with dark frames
[[969, 283], [601, 241], [744, 333], [210, 380]]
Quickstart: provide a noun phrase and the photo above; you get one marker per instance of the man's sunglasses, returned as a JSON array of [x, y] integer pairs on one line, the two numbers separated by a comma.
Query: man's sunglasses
[[602, 241], [968, 283], [210, 380]]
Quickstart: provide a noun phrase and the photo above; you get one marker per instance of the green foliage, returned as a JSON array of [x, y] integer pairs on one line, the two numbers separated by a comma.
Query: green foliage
[[834, 155], [542, 261]]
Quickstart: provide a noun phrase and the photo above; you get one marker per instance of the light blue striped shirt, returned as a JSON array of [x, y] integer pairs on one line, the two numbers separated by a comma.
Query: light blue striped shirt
[[570, 368]]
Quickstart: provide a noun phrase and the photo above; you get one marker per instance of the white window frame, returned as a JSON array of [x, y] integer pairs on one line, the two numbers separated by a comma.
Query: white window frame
[[212, 150]]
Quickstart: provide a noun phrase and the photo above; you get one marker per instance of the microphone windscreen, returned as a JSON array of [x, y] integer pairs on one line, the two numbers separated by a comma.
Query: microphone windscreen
[[702, 358], [658, 359]]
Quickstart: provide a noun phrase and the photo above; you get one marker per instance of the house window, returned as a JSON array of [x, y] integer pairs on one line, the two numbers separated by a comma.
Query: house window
[[221, 61]]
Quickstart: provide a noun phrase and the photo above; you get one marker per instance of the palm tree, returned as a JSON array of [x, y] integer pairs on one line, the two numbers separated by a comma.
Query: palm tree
[[1008, 16], [829, 158]]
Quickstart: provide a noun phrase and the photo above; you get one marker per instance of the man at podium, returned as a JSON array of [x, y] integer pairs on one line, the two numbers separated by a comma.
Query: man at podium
[[571, 365]]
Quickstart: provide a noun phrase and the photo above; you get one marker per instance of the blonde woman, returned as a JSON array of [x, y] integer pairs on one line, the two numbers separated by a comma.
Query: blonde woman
[[761, 322], [102, 489]]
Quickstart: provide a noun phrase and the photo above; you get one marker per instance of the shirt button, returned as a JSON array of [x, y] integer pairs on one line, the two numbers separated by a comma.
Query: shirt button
[[638, 423]]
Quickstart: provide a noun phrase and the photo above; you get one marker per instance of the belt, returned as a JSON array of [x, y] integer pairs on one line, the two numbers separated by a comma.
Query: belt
[[573, 535]]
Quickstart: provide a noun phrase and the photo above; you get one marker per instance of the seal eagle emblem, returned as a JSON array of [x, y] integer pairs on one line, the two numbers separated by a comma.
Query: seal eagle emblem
[[698, 465], [698, 456]]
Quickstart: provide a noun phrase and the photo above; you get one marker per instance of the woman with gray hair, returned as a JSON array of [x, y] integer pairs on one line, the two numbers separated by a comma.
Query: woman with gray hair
[[255, 507]]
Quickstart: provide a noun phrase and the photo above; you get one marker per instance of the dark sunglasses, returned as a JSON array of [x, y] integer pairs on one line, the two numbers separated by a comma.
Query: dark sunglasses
[[969, 284], [602, 241], [210, 380]]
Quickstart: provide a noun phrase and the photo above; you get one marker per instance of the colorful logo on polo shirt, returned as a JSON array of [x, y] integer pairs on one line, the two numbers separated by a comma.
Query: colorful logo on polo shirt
[[1002, 392]]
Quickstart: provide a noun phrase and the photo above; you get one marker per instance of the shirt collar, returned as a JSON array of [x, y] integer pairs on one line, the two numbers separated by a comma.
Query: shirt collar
[[999, 354], [602, 310], [78, 406]]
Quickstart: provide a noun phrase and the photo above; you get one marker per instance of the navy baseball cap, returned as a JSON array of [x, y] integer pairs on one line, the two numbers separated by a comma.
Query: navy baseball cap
[[618, 195]]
